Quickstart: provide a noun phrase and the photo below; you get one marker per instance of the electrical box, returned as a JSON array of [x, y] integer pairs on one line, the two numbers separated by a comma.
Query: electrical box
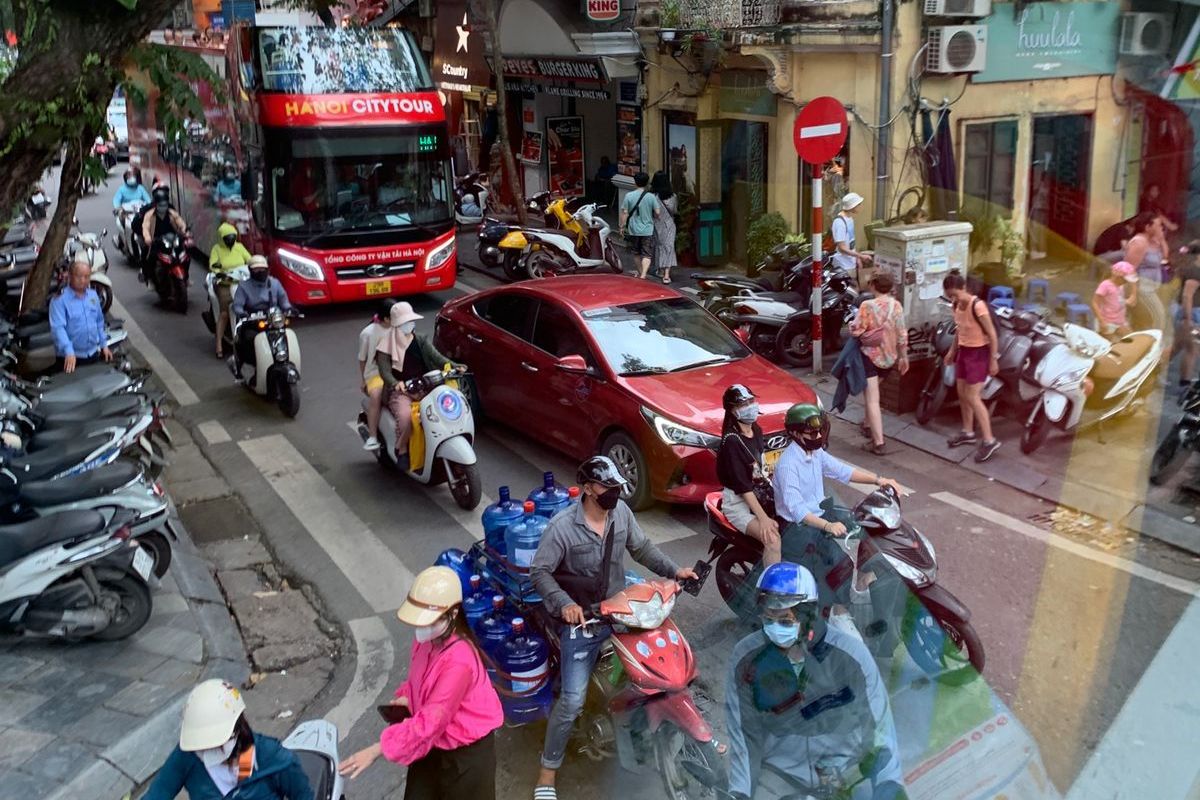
[[918, 257]]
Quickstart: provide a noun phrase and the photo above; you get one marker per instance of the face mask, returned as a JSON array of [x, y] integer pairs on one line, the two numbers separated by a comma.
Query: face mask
[[427, 633], [782, 634], [160, 211], [809, 444], [217, 755], [131, 182], [229, 240], [747, 414], [608, 498], [259, 275], [408, 327]]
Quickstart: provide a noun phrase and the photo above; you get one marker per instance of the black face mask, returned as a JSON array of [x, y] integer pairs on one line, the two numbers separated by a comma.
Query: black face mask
[[608, 498], [160, 211], [808, 444], [258, 275], [229, 240]]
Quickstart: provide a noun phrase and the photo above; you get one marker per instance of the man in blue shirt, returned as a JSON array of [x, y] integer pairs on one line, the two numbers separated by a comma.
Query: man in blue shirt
[[77, 321], [638, 211], [800, 488]]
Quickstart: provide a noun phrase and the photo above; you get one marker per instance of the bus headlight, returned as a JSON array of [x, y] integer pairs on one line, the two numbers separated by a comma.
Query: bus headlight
[[299, 265], [437, 257]]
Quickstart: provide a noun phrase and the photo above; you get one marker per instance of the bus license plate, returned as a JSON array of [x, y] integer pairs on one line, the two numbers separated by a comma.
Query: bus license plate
[[770, 459], [379, 287], [142, 563]]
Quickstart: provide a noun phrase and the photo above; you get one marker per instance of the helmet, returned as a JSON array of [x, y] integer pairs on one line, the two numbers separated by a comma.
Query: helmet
[[435, 591], [209, 716], [99, 140], [807, 418], [785, 585], [258, 262], [735, 395], [161, 194], [601, 470], [383, 311]]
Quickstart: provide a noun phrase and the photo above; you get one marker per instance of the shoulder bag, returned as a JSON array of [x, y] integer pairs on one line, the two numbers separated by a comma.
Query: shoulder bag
[[764, 492]]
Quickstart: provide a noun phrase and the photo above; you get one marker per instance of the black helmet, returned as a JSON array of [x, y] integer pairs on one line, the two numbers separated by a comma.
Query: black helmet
[[735, 395], [383, 311], [601, 470], [807, 419], [161, 194]]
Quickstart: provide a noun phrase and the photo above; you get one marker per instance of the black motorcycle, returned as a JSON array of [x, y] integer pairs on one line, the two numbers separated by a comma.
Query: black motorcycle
[[166, 269], [492, 231], [1183, 439]]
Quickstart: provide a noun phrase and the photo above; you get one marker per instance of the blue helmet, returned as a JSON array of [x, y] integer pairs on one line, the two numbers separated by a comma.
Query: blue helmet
[[785, 585]]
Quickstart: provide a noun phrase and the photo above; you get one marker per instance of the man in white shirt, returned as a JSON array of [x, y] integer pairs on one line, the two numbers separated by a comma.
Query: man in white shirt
[[842, 230], [372, 385]]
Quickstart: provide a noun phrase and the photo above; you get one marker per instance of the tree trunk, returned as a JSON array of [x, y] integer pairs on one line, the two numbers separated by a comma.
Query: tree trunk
[[70, 187], [488, 9]]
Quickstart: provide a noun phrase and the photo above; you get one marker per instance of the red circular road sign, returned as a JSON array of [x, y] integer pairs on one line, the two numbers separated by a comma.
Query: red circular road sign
[[820, 130]]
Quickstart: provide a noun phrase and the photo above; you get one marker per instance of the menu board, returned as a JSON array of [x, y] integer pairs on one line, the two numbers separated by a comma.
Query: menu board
[[564, 146], [629, 140]]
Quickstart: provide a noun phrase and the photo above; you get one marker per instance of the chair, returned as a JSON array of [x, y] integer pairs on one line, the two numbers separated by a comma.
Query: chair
[[1080, 314], [1006, 302], [1001, 293], [1039, 287], [1065, 299]]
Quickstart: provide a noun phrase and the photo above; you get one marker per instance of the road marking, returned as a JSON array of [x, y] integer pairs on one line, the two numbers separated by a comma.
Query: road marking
[[1149, 750], [817, 131], [214, 432], [1015, 525], [374, 658], [166, 373], [376, 572]]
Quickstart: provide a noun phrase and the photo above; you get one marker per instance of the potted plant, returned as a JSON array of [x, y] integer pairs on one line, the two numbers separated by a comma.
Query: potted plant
[[669, 16], [766, 233]]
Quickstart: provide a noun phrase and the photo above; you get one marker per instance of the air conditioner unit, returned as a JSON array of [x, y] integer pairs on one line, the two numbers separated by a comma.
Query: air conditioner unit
[[956, 48], [958, 8], [1145, 34]]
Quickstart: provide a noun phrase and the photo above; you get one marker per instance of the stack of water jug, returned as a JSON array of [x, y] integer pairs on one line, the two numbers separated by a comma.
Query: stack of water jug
[[498, 568]]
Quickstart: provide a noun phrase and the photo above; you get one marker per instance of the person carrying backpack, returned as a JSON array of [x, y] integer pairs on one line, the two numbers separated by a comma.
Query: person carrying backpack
[[976, 356]]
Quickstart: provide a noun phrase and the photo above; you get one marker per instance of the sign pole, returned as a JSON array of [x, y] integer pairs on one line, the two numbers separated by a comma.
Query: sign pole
[[818, 225]]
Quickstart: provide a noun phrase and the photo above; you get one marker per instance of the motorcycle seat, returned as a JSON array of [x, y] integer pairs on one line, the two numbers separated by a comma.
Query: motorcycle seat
[[57, 436], [761, 283], [791, 298], [32, 329], [94, 483], [23, 538], [1122, 357], [48, 462], [59, 414]]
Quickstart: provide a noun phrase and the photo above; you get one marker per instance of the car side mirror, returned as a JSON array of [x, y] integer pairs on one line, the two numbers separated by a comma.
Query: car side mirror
[[573, 364]]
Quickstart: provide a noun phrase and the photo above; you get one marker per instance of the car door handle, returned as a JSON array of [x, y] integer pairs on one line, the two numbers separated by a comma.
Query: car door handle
[[474, 338], [528, 367]]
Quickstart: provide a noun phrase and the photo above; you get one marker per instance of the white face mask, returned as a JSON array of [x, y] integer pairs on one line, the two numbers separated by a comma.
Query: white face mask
[[217, 755], [427, 633], [408, 327]]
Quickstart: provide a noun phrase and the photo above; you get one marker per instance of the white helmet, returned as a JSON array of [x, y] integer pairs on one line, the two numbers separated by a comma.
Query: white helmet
[[209, 716], [435, 591], [99, 140]]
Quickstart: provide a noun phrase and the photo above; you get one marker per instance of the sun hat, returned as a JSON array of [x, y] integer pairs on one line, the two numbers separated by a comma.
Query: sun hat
[[851, 201]]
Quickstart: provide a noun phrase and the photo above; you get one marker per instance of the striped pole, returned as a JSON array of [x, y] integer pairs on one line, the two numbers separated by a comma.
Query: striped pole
[[818, 225]]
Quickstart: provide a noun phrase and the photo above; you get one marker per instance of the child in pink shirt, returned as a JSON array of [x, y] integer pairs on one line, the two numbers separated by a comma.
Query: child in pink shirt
[[1109, 302]]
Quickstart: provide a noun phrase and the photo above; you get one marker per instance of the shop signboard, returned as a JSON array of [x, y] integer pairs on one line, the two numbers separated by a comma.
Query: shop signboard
[[629, 140], [564, 76], [603, 10], [564, 147], [458, 57], [1050, 40]]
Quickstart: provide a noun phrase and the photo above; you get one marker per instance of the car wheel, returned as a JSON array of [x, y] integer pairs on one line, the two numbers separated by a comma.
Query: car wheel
[[625, 453]]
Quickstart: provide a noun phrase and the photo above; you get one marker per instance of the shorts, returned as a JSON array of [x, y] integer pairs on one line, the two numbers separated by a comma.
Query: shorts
[[971, 364], [642, 246], [735, 510], [872, 370], [374, 382]]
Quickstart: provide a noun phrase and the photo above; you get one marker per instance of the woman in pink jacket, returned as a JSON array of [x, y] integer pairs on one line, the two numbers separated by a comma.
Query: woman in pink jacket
[[447, 739]]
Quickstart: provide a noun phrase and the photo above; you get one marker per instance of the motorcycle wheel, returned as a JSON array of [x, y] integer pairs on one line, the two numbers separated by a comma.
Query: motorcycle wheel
[[106, 296], [734, 568], [465, 484], [158, 546], [1036, 432], [289, 399], [513, 270], [489, 261], [793, 345], [682, 761], [540, 264], [1167, 458], [613, 258], [946, 648], [133, 607], [931, 400]]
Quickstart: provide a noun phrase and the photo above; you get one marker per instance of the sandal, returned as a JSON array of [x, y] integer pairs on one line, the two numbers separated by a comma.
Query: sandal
[[875, 449], [864, 429], [666, 280]]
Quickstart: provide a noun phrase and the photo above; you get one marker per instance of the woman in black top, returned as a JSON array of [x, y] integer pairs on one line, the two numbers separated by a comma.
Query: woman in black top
[[1187, 313], [740, 466]]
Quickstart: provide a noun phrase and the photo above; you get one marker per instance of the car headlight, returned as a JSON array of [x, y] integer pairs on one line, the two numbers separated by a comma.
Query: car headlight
[[437, 257], [299, 265], [648, 615], [675, 434]]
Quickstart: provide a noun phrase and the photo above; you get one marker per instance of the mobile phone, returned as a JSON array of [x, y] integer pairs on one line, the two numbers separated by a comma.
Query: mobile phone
[[392, 714], [693, 585]]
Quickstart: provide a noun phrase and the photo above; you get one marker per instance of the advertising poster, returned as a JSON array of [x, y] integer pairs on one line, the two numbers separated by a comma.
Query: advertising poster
[[681, 147], [564, 146], [629, 140], [338, 60], [531, 147]]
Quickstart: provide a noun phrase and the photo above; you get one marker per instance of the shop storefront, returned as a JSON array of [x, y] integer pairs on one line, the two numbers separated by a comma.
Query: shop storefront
[[462, 74]]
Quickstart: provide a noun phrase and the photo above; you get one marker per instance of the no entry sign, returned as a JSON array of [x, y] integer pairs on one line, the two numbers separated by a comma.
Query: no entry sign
[[820, 130]]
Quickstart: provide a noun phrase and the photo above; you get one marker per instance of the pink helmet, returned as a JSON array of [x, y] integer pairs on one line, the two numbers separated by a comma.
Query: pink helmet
[[1125, 270]]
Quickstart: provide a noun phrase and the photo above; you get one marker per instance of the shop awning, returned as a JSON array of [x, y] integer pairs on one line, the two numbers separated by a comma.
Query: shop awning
[[619, 49]]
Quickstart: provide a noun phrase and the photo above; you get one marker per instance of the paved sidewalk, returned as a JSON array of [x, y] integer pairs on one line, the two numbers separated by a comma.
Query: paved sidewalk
[[96, 719]]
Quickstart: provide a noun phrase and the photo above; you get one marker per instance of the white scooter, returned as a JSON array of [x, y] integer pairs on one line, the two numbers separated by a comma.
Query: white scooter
[[276, 367], [232, 278], [123, 238], [1086, 379], [584, 244], [315, 744], [91, 247], [444, 433]]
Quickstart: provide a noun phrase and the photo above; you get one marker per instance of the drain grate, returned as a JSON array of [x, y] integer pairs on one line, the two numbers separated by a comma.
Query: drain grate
[[1042, 517]]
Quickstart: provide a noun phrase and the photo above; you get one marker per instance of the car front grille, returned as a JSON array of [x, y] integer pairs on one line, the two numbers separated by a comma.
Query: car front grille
[[375, 271]]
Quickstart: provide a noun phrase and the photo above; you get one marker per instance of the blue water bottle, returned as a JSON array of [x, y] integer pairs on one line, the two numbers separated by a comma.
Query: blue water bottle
[[460, 562], [550, 498], [493, 627], [522, 537], [477, 603], [496, 519], [525, 657]]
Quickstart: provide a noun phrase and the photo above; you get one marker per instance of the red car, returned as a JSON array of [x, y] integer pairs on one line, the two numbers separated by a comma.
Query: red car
[[615, 365]]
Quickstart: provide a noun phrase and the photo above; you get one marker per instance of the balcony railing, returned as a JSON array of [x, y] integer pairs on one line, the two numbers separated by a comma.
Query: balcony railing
[[728, 14]]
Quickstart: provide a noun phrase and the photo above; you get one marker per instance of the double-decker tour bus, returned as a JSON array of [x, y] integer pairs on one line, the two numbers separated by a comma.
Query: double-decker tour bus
[[339, 142]]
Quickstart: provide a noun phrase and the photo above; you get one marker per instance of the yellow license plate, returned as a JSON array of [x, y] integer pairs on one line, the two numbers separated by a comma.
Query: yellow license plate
[[379, 287], [770, 459]]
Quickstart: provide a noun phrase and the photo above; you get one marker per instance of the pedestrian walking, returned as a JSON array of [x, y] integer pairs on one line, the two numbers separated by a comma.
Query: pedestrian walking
[[842, 232], [1146, 249], [639, 209], [1186, 314], [447, 711], [883, 338], [976, 355], [664, 226], [1110, 300]]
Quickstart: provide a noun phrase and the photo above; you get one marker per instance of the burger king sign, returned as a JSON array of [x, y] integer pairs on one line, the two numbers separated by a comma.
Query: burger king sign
[[603, 10]]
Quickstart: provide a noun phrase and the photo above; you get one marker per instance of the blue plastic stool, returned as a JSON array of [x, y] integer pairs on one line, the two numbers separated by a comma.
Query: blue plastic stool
[[1006, 302], [1080, 314], [1034, 307], [1039, 287], [1065, 299], [1001, 293]]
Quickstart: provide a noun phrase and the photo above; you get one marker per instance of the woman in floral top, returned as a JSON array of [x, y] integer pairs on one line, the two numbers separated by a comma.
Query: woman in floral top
[[883, 337]]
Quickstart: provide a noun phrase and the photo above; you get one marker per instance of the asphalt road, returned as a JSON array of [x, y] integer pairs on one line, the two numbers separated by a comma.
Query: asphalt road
[[1071, 632]]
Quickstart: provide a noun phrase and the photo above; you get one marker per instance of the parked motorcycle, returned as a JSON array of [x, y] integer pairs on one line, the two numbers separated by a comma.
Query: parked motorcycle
[[74, 575], [1085, 379], [90, 247], [474, 184], [67, 394], [166, 270], [492, 231], [889, 564], [443, 433], [276, 367], [212, 280], [38, 204], [582, 245], [1183, 439]]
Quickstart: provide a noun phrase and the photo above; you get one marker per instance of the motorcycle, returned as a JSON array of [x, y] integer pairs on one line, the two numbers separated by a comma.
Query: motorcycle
[[74, 575], [443, 433], [470, 184], [889, 564], [492, 231], [64, 394], [124, 238], [33, 352], [582, 245], [315, 743], [166, 270], [276, 359], [91, 247], [38, 204], [1084, 379], [1184, 437], [230, 278], [105, 152]]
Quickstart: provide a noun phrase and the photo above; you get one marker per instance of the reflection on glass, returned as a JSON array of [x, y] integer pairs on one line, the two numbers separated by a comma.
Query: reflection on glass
[[661, 336], [340, 60]]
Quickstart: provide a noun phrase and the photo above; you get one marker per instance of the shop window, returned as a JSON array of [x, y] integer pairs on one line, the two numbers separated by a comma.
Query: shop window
[[989, 166]]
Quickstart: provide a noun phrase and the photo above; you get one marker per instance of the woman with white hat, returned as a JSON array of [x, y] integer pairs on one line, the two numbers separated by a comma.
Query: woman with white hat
[[842, 232], [447, 737], [219, 754]]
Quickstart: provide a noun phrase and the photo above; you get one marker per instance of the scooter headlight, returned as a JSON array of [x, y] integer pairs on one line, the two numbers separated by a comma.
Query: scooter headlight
[[908, 572], [1068, 379], [646, 615]]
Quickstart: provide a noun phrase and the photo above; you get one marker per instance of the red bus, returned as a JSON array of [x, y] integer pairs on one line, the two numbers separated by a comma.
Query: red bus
[[340, 142]]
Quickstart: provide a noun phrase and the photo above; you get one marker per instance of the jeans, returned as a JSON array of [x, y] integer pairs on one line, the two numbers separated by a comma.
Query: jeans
[[577, 659]]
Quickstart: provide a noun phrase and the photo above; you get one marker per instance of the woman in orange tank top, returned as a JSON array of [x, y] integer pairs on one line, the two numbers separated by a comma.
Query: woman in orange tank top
[[975, 354]]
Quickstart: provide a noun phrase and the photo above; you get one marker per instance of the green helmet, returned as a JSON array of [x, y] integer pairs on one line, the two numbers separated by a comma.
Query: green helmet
[[808, 425]]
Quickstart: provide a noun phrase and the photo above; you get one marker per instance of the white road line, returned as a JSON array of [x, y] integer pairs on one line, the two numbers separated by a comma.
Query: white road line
[[374, 658], [376, 572], [214, 432], [1015, 525], [1150, 748], [815, 131], [166, 373]]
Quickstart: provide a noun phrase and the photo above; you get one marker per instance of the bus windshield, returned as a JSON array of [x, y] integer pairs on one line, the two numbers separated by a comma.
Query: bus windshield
[[326, 182], [340, 60]]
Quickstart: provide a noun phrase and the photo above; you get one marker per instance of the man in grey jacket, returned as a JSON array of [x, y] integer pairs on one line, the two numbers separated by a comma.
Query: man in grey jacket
[[256, 295], [578, 563]]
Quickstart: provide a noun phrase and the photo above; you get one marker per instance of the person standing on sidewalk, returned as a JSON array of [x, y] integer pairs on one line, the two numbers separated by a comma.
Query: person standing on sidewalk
[[450, 709], [976, 355], [664, 226], [639, 209], [77, 321], [842, 233], [883, 336]]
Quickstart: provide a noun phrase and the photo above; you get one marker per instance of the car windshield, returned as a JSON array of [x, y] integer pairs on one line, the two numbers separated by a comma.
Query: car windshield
[[359, 182], [661, 336]]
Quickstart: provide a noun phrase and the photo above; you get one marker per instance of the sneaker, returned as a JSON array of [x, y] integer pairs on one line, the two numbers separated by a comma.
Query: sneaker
[[371, 443], [987, 450], [961, 438]]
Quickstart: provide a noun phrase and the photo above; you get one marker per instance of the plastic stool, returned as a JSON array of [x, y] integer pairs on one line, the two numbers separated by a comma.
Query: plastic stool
[[1006, 302], [1066, 299], [1080, 314], [1034, 307], [1039, 287], [1001, 293]]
